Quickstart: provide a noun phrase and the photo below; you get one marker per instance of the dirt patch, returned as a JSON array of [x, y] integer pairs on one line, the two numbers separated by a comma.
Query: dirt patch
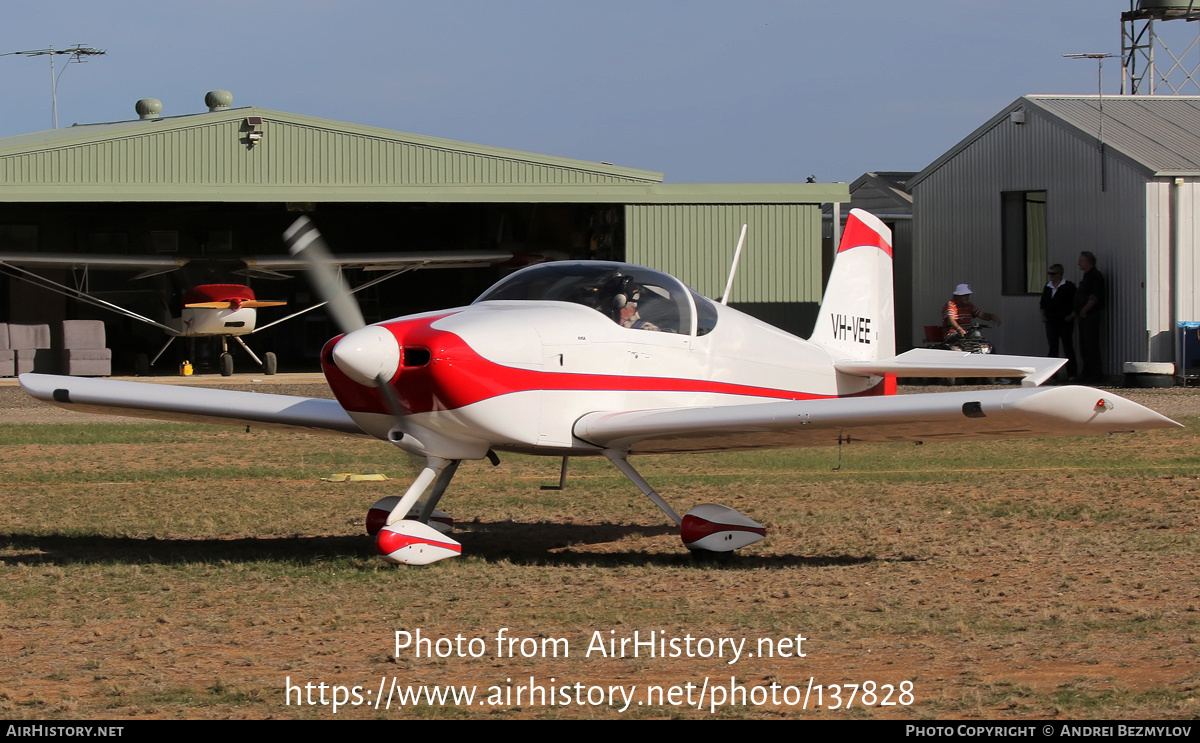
[[200, 576]]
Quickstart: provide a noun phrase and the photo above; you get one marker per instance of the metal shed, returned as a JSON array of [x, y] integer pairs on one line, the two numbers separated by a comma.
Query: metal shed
[[223, 184], [1048, 177]]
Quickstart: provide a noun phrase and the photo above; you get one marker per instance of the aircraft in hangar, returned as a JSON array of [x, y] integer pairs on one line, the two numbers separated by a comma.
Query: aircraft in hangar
[[227, 310], [583, 358]]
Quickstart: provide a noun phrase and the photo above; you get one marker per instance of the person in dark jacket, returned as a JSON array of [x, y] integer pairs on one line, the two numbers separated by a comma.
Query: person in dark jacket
[[1088, 307], [1058, 299]]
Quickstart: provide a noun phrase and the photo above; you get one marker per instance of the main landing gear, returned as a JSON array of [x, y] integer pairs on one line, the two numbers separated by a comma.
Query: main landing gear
[[269, 363], [410, 530], [706, 528]]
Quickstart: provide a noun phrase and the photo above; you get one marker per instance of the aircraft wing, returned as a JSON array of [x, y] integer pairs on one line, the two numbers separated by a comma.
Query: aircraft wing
[[388, 261], [149, 265], [988, 414], [191, 404], [79, 260], [930, 362]]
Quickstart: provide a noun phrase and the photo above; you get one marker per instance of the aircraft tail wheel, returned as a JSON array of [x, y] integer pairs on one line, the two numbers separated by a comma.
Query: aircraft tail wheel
[[226, 364], [270, 363], [715, 528]]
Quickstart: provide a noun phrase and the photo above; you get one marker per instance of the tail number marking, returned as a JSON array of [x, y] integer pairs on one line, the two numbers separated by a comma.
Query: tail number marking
[[851, 328]]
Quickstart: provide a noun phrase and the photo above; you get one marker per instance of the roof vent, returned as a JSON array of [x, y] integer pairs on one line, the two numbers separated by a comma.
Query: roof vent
[[148, 108], [218, 100]]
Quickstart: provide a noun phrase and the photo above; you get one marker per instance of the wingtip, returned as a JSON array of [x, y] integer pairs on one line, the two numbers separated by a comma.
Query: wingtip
[[1123, 414]]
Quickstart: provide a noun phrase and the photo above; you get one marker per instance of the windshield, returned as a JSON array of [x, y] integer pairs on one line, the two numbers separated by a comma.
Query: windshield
[[631, 296]]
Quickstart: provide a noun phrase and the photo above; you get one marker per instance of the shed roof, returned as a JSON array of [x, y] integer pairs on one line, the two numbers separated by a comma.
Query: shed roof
[[208, 157], [1159, 134], [186, 157], [882, 192]]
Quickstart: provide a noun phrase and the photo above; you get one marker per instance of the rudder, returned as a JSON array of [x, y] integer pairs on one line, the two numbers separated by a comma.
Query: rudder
[[857, 319]]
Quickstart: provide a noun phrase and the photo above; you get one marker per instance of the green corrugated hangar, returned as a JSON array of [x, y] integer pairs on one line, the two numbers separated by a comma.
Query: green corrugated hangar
[[221, 186]]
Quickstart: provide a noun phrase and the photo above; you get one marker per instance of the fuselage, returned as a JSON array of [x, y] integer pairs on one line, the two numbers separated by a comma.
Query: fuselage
[[516, 374], [219, 309], [207, 321]]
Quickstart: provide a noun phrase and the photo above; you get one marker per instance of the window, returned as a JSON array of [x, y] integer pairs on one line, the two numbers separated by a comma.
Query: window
[[619, 291], [1023, 241]]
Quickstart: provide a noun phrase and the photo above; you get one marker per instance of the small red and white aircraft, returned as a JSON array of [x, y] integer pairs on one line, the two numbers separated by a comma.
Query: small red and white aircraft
[[229, 310], [582, 358], [223, 311]]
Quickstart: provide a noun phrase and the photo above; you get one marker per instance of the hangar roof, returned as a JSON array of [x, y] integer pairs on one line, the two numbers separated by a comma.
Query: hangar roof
[[882, 192], [1160, 134], [212, 157]]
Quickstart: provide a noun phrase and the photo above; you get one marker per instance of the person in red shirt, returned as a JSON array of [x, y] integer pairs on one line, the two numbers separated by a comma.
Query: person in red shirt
[[958, 314]]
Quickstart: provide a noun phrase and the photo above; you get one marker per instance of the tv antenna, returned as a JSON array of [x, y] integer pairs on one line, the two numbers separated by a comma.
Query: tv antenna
[[75, 53], [1099, 57]]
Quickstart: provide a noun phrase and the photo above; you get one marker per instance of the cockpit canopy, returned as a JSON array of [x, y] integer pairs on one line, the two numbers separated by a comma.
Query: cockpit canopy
[[632, 296]]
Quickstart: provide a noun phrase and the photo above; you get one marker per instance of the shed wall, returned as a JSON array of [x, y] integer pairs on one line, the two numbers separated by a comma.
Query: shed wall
[[957, 231], [779, 277], [781, 260], [1172, 263]]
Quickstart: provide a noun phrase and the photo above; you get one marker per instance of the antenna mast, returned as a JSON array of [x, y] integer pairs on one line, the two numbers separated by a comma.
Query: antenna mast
[[1099, 57], [76, 53]]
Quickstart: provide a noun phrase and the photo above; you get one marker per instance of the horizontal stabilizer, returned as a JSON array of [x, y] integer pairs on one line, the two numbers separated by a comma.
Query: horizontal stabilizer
[[191, 404], [929, 362]]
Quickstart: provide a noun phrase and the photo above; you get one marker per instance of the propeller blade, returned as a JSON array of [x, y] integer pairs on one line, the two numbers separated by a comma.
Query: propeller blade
[[395, 405], [366, 357], [304, 241]]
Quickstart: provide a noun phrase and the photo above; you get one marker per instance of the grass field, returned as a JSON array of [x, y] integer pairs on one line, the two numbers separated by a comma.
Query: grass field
[[165, 571]]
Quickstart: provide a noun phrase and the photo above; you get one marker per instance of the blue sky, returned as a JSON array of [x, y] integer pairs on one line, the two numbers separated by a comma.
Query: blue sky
[[754, 91]]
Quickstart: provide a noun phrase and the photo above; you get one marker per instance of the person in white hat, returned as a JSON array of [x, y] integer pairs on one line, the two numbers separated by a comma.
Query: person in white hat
[[958, 314]]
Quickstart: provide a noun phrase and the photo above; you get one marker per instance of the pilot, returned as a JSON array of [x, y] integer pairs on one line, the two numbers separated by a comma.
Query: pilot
[[628, 308]]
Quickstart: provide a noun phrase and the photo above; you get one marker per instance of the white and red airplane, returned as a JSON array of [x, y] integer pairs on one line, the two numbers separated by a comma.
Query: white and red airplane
[[583, 358]]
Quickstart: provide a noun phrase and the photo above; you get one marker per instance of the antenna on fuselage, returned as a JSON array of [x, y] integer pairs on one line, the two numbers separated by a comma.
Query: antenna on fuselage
[[737, 254]]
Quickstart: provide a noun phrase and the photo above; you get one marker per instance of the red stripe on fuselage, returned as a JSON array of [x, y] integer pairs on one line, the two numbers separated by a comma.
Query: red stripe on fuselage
[[457, 376]]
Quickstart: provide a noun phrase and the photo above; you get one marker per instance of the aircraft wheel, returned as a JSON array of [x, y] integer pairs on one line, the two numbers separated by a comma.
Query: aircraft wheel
[[141, 365], [270, 363], [226, 365]]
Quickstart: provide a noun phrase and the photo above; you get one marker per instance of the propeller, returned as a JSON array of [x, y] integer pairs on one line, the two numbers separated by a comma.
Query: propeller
[[368, 354], [304, 241]]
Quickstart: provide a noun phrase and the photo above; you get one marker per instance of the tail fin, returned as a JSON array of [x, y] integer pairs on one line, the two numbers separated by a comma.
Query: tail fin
[[857, 320]]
